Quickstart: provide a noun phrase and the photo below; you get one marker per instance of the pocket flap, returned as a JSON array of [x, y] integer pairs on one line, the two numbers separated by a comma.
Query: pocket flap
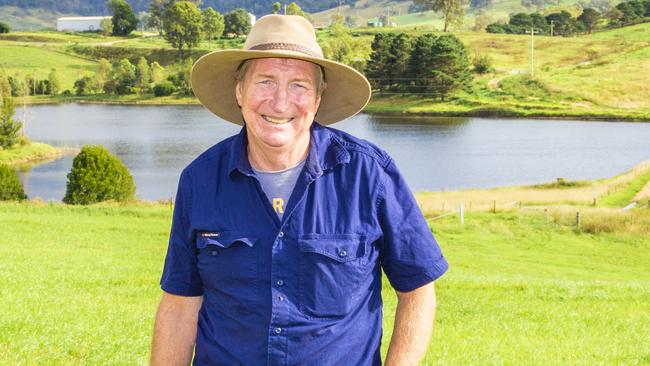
[[339, 247], [224, 239]]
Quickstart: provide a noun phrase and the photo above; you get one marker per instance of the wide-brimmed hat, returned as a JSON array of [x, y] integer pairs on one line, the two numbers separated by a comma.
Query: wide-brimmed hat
[[285, 36]]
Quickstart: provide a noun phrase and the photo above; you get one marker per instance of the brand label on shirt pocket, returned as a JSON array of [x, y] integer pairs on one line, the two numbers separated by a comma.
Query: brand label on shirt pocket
[[332, 266], [228, 265]]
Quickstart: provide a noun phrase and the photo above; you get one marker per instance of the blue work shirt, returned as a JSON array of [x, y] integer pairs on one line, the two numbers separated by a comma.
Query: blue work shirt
[[304, 290]]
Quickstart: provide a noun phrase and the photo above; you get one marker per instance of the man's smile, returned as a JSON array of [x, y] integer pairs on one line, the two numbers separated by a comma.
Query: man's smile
[[277, 121]]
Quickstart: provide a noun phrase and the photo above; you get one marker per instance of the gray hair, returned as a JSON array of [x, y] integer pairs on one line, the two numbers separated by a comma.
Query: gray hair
[[242, 69]]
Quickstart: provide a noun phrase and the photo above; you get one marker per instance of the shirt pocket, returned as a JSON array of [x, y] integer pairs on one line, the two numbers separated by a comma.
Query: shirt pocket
[[228, 264], [332, 266]]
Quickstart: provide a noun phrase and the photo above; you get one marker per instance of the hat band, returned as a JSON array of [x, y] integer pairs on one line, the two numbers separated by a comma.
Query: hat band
[[285, 46]]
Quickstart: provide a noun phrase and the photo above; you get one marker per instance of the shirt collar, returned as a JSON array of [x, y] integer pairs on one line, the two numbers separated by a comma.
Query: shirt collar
[[325, 152]]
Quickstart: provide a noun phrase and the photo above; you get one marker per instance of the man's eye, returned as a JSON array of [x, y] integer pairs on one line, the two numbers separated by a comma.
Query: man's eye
[[265, 82]]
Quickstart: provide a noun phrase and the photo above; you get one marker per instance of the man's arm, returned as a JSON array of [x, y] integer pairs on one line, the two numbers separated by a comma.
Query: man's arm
[[413, 324], [175, 330]]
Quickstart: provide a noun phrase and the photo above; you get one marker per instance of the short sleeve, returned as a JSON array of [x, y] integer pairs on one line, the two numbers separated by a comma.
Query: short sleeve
[[180, 274], [410, 255]]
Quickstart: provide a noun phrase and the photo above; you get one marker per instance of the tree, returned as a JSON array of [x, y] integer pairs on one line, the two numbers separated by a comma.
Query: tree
[[124, 19], [182, 25], [157, 73], [563, 23], [452, 10], [121, 79], [4, 27], [11, 189], [389, 59], [439, 65], [96, 176], [294, 9], [54, 85], [212, 24], [156, 11], [106, 25], [142, 74], [237, 22], [101, 76], [276, 7], [9, 127], [344, 48], [481, 21], [589, 18]]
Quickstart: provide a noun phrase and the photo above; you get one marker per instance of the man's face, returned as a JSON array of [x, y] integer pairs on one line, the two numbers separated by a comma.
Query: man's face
[[278, 100]]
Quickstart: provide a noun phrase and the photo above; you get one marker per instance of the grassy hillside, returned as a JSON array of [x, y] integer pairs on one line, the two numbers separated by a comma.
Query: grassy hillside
[[83, 288], [605, 75], [29, 19]]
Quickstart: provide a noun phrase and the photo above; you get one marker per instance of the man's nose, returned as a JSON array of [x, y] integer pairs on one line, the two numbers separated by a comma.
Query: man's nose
[[280, 99]]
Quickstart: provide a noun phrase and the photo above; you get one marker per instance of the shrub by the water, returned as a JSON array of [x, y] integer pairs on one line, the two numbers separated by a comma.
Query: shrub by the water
[[164, 89], [10, 187], [96, 176]]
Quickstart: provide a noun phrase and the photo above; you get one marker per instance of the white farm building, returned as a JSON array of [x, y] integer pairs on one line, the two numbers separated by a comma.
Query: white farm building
[[79, 24]]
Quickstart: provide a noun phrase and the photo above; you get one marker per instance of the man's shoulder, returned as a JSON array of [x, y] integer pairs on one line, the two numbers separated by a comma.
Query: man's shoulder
[[211, 159], [359, 148]]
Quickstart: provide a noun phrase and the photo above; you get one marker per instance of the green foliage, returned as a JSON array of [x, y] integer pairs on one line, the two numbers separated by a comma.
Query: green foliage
[[482, 64], [121, 79], [212, 24], [82, 86], [182, 25], [589, 19], [106, 25], [276, 7], [124, 19], [452, 10], [564, 23], [524, 87], [164, 89], [237, 22], [97, 176], [439, 66], [388, 64], [9, 128], [295, 9], [11, 189], [143, 75], [341, 46], [181, 79], [4, 27], [54, 85]]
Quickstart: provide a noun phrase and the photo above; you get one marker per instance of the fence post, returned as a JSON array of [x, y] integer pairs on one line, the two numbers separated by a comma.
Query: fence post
[[578, 218], [462, 214], [494, 206]]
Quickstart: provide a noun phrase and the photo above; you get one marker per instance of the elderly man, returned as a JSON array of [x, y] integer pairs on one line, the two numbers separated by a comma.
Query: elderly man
[[280, 233]]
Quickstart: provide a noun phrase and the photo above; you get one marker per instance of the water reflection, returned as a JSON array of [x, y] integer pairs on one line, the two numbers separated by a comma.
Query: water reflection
[[156, 142]]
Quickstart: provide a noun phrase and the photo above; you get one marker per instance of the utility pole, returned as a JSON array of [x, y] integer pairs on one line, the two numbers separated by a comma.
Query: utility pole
[[532, 32]]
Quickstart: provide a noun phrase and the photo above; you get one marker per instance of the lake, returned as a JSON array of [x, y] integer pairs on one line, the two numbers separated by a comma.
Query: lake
[[156, 142]]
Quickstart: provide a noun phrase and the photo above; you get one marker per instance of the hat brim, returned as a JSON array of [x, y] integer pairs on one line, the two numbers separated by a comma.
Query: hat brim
[[213, 82]]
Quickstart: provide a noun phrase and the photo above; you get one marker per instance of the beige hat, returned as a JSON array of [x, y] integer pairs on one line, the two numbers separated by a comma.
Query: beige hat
[[290, 36]]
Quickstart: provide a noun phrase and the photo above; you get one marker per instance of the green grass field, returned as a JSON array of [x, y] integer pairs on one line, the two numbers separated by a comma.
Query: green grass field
[[80, 286]]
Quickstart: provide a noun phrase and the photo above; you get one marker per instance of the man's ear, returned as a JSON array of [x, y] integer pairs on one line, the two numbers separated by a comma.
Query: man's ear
[[238, 94]]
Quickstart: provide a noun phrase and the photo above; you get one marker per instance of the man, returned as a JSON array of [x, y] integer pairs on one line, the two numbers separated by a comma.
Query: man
[[281, 232]]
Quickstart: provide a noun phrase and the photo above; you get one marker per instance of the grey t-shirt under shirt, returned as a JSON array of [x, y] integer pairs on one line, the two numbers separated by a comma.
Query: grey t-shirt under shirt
[[278, 186]]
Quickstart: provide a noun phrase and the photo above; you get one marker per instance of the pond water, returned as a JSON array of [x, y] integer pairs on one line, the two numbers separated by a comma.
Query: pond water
[[156, 142]]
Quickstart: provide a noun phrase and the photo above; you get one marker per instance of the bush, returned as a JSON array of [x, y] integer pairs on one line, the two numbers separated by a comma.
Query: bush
[[164, 89], [4, 28], [11, 189], [97, 176], [482, 64]]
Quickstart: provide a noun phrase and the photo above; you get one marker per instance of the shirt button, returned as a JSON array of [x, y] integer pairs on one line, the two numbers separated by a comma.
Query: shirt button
[[278, 330], [343, 253], [279, 282], [280, 234], [214, 253], [281, 298]]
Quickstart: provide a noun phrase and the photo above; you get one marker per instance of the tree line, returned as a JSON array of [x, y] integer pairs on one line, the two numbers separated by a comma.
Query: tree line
[[564, 24], [435, 65]]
